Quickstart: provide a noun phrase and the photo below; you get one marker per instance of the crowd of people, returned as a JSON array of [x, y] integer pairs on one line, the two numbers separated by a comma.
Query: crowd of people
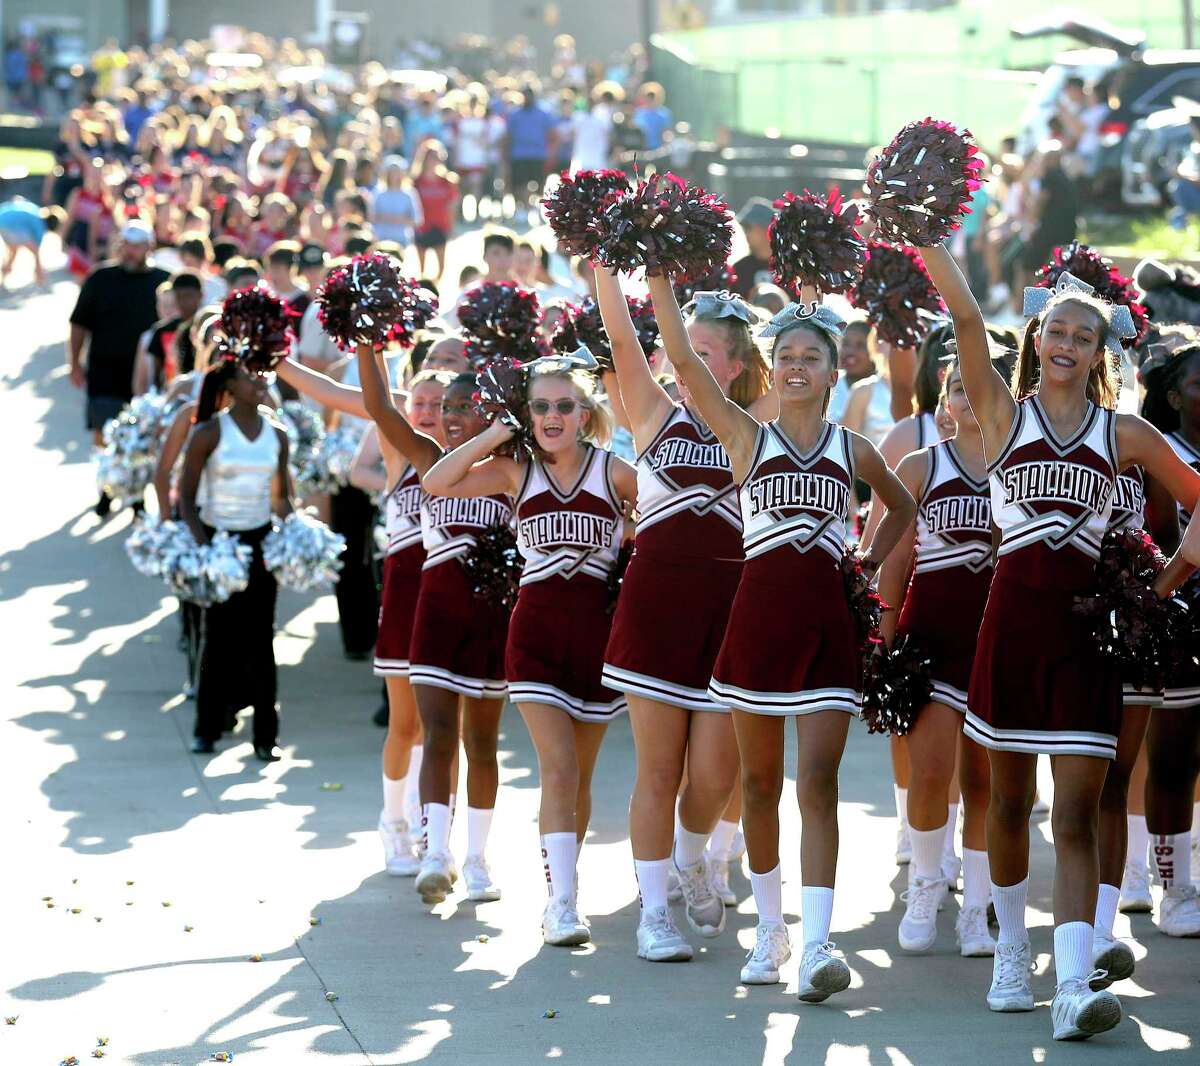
[[734, 457]]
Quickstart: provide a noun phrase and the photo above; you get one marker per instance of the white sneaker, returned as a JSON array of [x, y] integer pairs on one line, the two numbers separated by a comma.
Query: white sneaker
[[718, 877], [1179, 911], [1011, 989], [1078, 1012], [737, 846], [903, 845], [674, 893], [918, 927], [704, 910], [478, 878], [436, 877], [822, 974], [1195, 860], [951, 870], [562, 926], [1135, 889], [912, 877], [974, 939], [1112, 960], [658, 940], [772, 949], [399, 854]]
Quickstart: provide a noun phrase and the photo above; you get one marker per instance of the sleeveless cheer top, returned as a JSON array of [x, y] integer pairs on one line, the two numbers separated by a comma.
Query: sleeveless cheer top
[[564, 534], [402, 512], [1129, 500], [1191, 456], [236, 493], [1052, 498], [449, 526], [927, 430], [954, 518], [687, 501], [794, 501]]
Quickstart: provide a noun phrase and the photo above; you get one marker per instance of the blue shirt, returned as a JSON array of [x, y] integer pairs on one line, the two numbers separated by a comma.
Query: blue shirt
[[23, 221], [16, 66], [135, 119], [653, 122], [529, 132], [418, 128]]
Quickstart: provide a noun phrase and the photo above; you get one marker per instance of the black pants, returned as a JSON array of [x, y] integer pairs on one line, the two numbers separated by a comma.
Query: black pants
[[352, 514], [191, 620], [237, 654]]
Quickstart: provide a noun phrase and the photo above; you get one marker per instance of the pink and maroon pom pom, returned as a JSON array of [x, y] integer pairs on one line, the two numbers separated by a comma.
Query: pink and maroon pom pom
[[257, 325], [575, 204], [815, 242], [501, 320], [894, 288], [719, 279], [368, 301], [921, 185], [493, 565], [582, 325], [897, 683], [1101, 274], [667, 226], [866, 607], [501, 389]]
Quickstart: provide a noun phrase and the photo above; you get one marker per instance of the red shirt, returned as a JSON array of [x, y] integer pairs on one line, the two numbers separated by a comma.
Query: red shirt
[[438, 197]]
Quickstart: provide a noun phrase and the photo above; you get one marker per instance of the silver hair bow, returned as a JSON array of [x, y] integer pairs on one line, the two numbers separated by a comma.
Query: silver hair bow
[[580, 359], [815, 316], [1122, 327], [723, 304]]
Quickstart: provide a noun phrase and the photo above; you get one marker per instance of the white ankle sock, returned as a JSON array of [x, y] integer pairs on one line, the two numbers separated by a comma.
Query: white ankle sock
[[720, 843], [1107, 897], [1010, 911], [436, 817], [927, 851], [689, 847], [768, 894], [652, 882], [948, 849], [413, 797], [816, 913], [1137, 849], [977, 878], [394, 791], [479, 822], [1072, 951], [901, 795], [1173, 857], [558, 855]]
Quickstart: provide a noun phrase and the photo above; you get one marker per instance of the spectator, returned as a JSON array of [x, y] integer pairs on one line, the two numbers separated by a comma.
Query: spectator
[[23, 225], [754, 268], [16, 72], [395, 212], [281, 262], [564, 132], [652, 116], [196, 254], [528, 147], [1054, 215], [592, 147], [499, 247], [471, 149], [437, 193], [1184, 188], [422, 124]]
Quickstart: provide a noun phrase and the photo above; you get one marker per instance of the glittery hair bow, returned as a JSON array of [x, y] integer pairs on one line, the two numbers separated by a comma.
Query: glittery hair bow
[[814, 316], [723, 304], [580, 359], [1122, 327]]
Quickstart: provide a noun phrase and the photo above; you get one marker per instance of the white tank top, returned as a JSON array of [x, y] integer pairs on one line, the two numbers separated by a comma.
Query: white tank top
[[877, 419], [927, 430], [236, 493]]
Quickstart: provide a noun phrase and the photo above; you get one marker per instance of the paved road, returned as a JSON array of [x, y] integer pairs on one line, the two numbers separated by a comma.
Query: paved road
[[167, 873]]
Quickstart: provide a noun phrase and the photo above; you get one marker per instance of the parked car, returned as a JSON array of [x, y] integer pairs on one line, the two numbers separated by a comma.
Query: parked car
[[1151, 154]]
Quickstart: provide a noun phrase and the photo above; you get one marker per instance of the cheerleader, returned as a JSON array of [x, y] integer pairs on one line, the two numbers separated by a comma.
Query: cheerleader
[[951, 572], [796, 476], [1038, 684], [241, 455], [571, 502], [674, 605], [1172, 404]]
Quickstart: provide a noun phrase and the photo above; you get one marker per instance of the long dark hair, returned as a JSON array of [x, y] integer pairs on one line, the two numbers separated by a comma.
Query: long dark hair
[[1103, 383], [216, 380], [1161, 379], [933, 350]]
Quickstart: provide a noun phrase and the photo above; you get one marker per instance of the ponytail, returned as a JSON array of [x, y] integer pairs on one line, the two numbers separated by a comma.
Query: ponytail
[[216, 377], [1161, 377], [1104, 381]]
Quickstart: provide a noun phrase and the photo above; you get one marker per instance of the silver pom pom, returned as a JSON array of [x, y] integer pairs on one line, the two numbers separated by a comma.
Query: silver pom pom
[[303, 553], [208, 573], [338, 451], [125, 464], [306, 436], [146, 546]]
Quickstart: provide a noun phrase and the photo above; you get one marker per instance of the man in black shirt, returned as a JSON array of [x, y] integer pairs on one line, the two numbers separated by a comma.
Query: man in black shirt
[[755, 268], [116, 305], [1055, 212]]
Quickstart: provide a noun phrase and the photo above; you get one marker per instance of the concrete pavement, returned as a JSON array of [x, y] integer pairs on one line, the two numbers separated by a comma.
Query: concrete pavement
[[167, 874]]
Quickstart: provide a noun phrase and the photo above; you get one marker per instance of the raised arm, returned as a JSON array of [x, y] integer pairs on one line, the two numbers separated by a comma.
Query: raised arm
[[420, 450], [734, 427], [991, 401], [893, 575], [472, 470], [645, 400], [892, 493]]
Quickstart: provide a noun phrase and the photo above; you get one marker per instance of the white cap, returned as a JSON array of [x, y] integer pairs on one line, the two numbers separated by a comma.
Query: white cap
[[136, 231]]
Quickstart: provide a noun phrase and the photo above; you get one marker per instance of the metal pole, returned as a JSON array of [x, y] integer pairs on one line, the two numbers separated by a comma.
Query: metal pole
[[648, 32], [1189, 25]]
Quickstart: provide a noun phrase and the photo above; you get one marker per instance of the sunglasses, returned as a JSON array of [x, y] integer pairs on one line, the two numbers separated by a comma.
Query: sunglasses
[[563, 407], [457, 408]]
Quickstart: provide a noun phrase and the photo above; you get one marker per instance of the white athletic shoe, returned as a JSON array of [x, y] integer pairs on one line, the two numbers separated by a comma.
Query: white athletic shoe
[[822, 974], [1135, 889], [718, 876], [399, 854], [974, 939], [772, 949], [912, 876], [1195, 860], [674, 892], [436, 877], [1112, 960], [562, 926], [918, 927], [737, 846], [1079, 1012], [903, 845], [658, 940], [1179, 911], [704, 910], [1011, 988], [478, 879], [951, 871]]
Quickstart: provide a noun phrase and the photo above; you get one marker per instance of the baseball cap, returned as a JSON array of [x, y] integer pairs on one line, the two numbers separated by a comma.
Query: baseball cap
[[311, 255], [137, 232], [757, 211]]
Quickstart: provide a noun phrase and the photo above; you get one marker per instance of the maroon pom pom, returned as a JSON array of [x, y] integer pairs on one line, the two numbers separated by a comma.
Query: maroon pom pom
[[720, 279], [501, 393], [815, 242], [493, 565], [368, 301], [897, 683], [866, 608], [582, 324], [501, 320], [921, 184], [574, 206], [894, 288], [1101, 274], [257, 325], [667, 226], [617, 574]]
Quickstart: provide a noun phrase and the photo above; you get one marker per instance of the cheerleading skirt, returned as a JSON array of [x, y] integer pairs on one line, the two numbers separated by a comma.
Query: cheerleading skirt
[[457, 637], [1039, 685], [1183, 691], [670, 620], [556, 641], [397, 611], [791, 646], [941, 614], [1141, 697]]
